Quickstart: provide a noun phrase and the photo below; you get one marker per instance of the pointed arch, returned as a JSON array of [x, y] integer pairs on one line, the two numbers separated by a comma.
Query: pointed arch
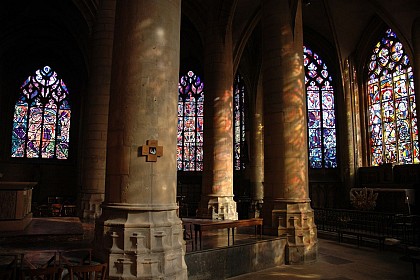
[[392, 114], [239, 146], [190, 123], [41, 119], [322, 131]]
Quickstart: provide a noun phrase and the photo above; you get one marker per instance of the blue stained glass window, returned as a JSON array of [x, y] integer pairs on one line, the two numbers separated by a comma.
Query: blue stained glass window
[[239, 147], [190, 123], [392, 104], [320, 98], [41, 119]]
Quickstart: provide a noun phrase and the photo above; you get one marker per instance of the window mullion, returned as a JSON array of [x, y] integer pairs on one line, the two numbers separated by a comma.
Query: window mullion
[[42, 131]]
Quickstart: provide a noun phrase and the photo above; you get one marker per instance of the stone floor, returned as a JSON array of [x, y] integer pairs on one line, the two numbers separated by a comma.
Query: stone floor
[[339, 261], [336, 261]]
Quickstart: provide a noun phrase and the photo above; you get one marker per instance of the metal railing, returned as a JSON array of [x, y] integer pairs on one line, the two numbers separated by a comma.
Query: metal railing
[[405, 228]]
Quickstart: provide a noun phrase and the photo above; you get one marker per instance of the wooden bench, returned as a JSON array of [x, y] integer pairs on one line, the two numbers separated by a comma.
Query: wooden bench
[[201, 225]]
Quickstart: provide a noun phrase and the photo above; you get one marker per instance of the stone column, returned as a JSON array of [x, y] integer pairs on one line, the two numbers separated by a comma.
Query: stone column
[[96, 112], [287, 209], [257, 155], [416, 65], [139, 233], [351, 157], [217, 195]]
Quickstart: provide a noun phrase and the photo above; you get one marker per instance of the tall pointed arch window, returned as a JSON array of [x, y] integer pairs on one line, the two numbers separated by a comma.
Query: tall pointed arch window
[[322, 133], [392, 104], [239, 123], [41, 119], [190, 123]]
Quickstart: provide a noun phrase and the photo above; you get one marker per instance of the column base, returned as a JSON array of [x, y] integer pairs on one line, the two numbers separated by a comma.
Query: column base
[[90, 205], [255, 209], [219, 208], [140, 244], [295, 222]]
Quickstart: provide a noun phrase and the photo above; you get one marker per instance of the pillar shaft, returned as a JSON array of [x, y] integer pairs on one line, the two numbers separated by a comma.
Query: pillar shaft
[[217, 200], [351, 155], [145, 69], [96, 112], [257, 155], [286, 202], [139, 233]]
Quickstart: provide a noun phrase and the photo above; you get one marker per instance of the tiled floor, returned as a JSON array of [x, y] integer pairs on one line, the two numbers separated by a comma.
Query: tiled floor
[[336, 261]]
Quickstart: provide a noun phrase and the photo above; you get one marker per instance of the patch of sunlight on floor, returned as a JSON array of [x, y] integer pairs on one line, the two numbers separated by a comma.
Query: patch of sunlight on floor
[[294, 275]]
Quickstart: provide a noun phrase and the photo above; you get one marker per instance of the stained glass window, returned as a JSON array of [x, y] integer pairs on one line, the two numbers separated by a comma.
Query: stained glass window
[[239, 123], [190, 123], [322, 136], [392, 104], [41, 120]]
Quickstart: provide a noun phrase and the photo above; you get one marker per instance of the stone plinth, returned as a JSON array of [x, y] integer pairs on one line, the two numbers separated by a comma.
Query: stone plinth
[[223, 208], [296, 224], [91, 203], [141, 244]]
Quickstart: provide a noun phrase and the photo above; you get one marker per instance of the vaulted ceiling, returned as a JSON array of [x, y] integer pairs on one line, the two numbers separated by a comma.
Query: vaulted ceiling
[[341, 24]]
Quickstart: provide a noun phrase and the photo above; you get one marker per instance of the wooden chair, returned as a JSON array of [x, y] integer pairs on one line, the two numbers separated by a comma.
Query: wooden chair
[[51, 261], [55, 199], [40, 268], [8, 271], [88, 272], [56, 209], [69, 210], [11, 264], [43, 273], [187, 228], [75, 257], [42, 210]]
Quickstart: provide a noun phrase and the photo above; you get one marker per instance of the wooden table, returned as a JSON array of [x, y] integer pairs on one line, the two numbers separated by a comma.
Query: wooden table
[[201, 225]]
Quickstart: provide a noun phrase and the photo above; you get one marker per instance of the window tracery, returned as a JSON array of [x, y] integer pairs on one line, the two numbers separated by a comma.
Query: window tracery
[[393, 135], [41, 119], [190, 123], [322, 133]]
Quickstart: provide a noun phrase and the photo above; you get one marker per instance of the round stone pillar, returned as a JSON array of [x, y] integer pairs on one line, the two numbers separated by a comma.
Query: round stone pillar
[[287, 209], [257, 151], [96, 112], [139, 233], [217, 195], [351, 157]]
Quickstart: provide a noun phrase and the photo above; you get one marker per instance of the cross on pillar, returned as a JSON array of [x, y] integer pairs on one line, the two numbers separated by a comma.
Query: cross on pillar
[[151, 150]]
